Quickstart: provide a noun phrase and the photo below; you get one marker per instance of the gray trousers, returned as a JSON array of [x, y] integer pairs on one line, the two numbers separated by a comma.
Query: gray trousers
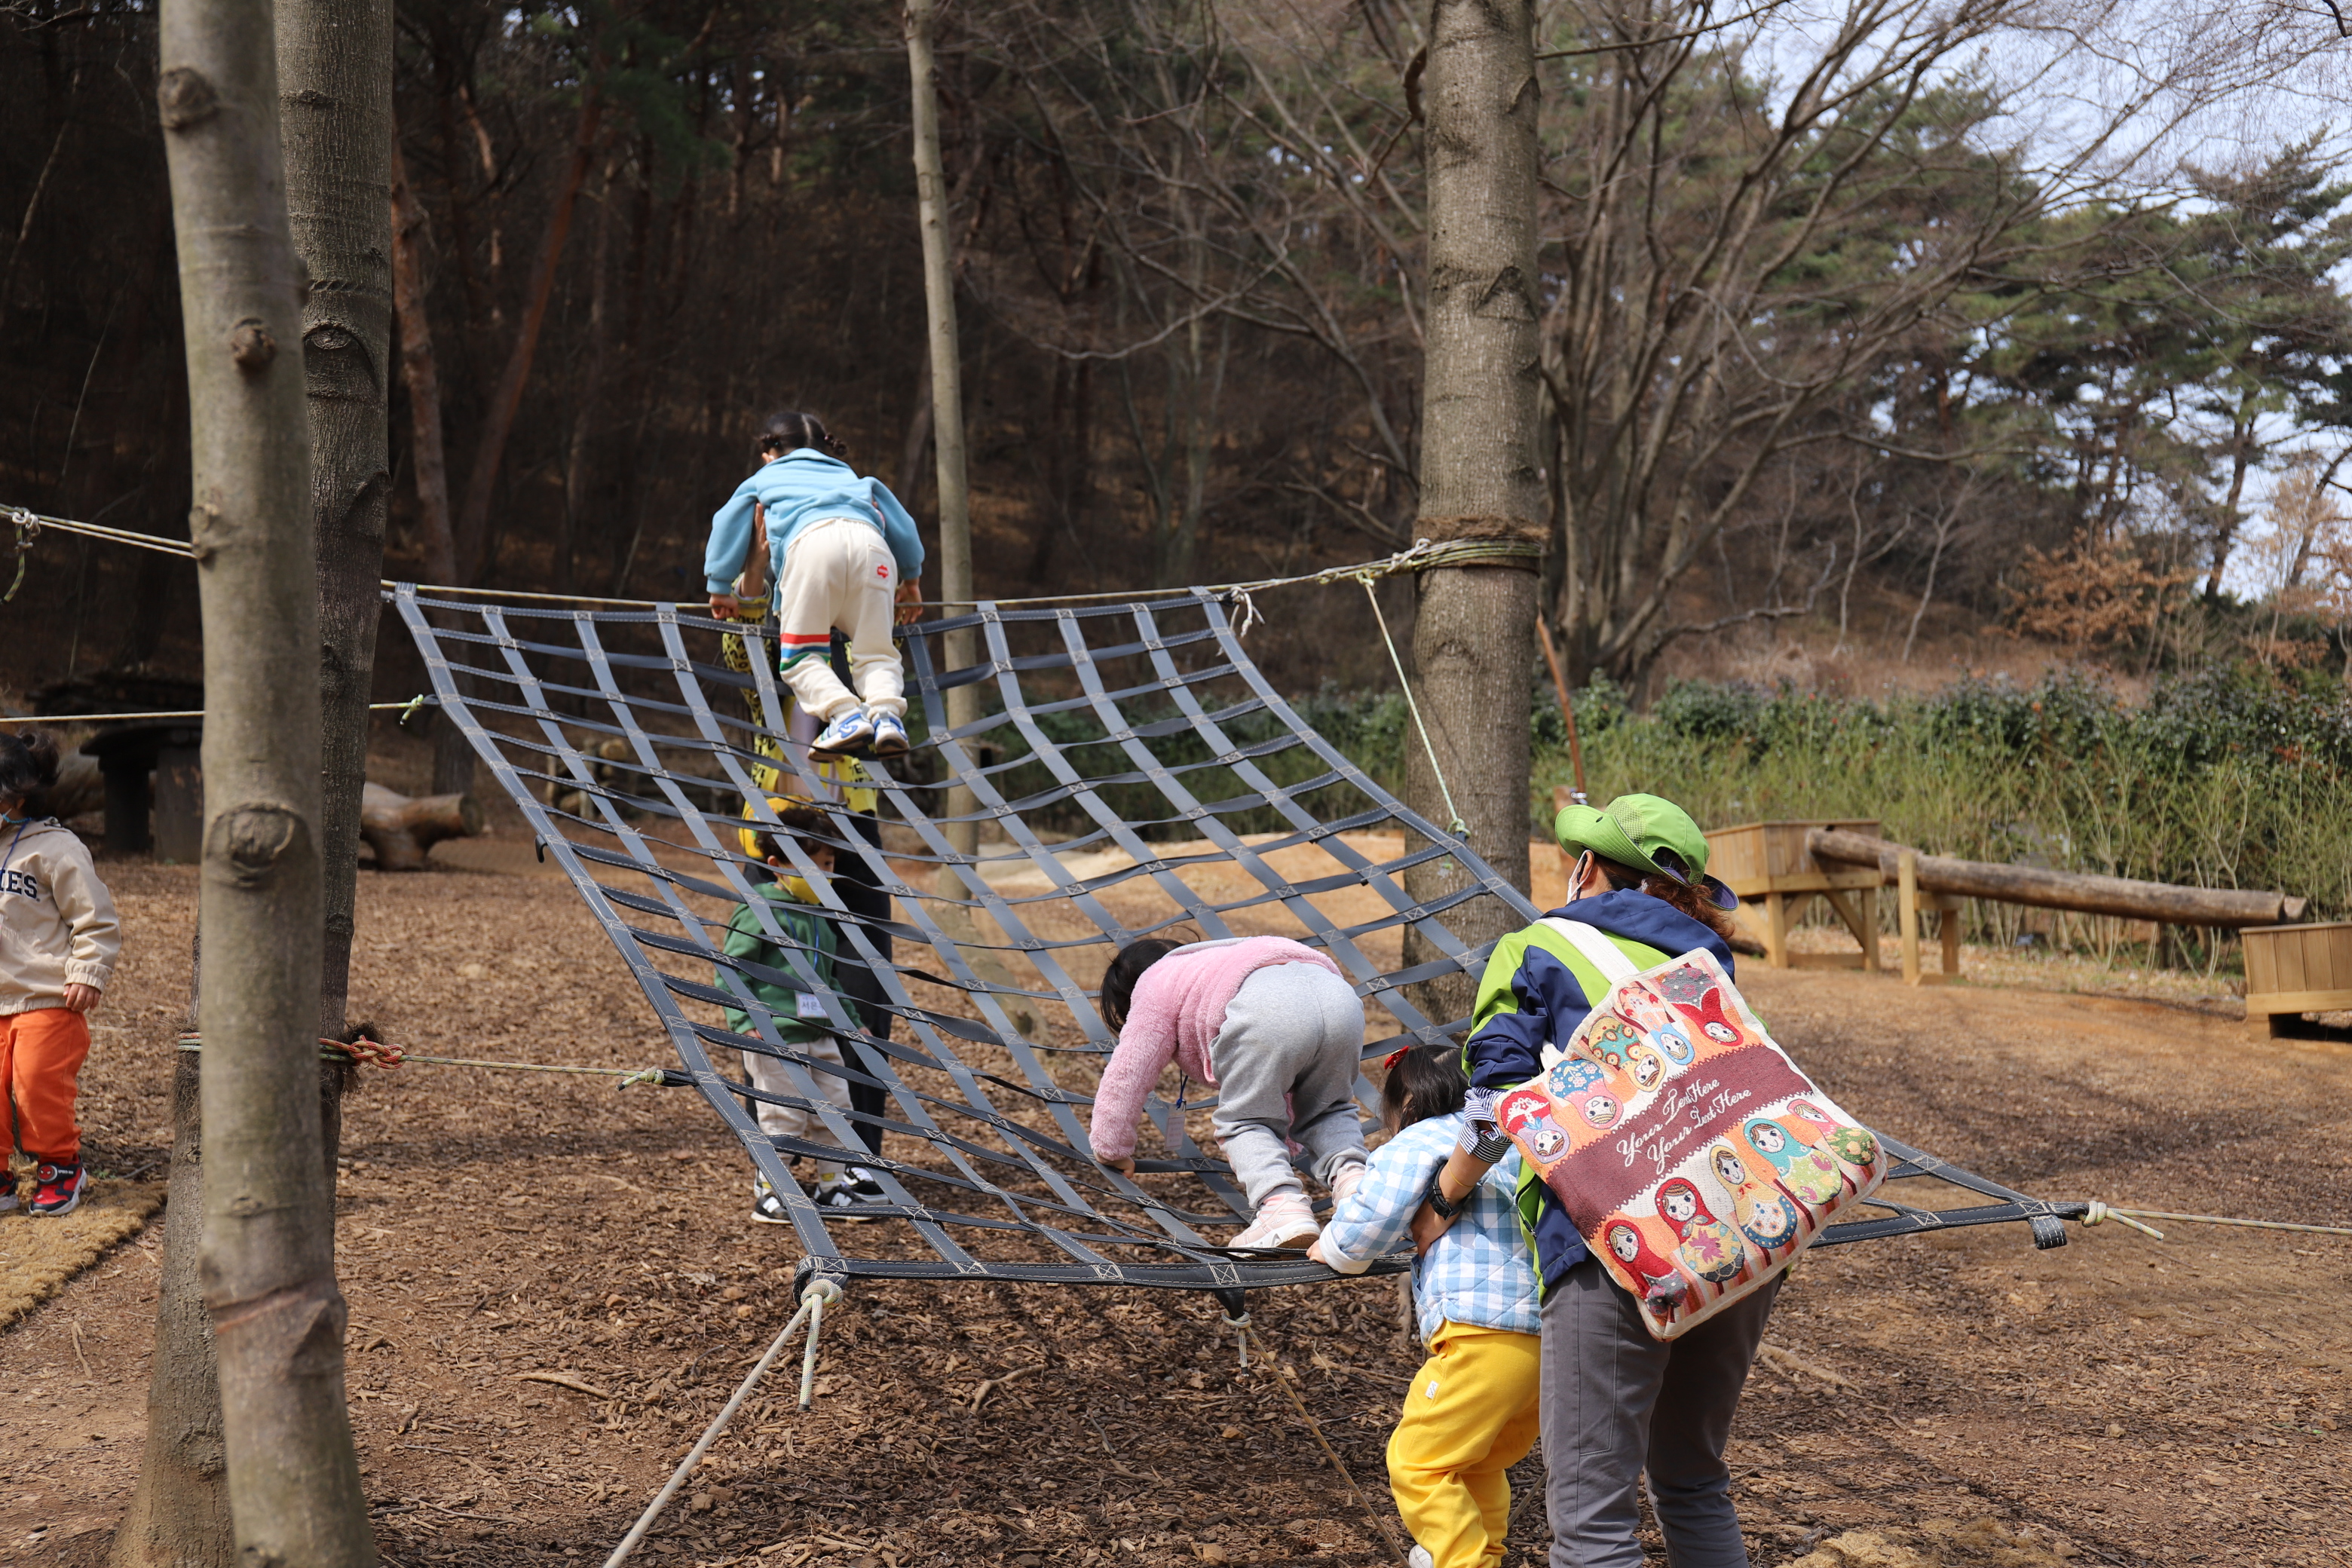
[[1285, 1060], [1617, 1401]]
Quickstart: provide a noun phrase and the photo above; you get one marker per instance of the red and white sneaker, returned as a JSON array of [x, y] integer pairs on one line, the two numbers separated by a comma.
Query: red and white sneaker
[[57, 1189]]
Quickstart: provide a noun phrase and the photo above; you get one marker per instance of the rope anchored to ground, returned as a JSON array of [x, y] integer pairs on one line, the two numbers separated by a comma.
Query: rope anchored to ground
[[2102, 1212]]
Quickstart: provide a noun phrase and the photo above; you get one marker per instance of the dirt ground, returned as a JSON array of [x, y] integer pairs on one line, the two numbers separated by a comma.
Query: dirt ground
[[1960, 1397]]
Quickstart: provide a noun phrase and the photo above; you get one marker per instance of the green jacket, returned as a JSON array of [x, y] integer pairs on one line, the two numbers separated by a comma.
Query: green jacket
[[765, 968]]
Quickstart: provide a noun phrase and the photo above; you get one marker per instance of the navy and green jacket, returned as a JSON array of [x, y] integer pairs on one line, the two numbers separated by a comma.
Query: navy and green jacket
[[765, 969], [1536, 990]]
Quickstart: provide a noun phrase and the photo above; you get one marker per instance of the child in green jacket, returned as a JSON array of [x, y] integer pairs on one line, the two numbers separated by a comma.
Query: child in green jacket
[[766, 969]]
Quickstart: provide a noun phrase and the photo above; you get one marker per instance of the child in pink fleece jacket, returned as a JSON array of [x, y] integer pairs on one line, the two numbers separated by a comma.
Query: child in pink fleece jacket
[[1275, 1030]]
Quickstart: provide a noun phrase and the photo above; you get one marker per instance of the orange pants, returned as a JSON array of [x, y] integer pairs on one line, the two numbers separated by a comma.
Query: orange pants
[[41, 1053]]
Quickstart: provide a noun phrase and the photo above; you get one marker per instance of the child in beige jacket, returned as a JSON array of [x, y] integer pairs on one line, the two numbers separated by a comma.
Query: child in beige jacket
[[59, 939]]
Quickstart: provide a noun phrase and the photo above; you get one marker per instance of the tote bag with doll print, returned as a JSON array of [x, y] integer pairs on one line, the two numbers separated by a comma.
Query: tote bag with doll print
[[1692, 1155]]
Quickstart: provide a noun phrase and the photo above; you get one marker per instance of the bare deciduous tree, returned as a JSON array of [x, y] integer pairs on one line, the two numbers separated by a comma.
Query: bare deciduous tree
[[276, 1316]]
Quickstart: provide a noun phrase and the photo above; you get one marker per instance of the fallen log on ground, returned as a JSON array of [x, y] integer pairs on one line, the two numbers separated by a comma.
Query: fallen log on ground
[[402, 830], [2078, 891]]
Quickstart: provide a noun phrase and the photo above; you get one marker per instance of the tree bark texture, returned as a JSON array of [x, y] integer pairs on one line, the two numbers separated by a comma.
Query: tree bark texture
[[268, 1216], [334, 79], [179, 1514], [946, 390], [1474, 635], [419, 372]]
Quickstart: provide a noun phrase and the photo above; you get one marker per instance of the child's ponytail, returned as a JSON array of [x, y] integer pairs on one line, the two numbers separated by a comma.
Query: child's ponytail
[[789, 432], [29, 764]]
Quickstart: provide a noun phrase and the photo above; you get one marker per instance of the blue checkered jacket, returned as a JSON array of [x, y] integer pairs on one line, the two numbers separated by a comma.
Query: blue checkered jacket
[[1481, 1272]]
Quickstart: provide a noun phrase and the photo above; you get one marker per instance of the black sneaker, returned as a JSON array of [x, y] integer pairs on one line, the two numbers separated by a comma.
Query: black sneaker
[[846, 1195], [767, 1206]]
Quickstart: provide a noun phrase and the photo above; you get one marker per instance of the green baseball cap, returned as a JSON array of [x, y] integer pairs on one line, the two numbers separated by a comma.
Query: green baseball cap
[[1648, 832]]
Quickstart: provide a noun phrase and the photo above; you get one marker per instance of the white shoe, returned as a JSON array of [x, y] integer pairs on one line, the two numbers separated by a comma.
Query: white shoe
[[1419, 1557], [850, 731], [890, 735], [1285, 1219], [1345, 1181]]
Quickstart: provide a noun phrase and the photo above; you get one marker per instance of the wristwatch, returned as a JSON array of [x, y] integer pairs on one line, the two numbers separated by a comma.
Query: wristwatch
[[1436, 1195]]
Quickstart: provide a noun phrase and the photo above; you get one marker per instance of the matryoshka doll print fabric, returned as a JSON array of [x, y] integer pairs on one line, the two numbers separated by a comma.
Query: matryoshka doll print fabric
[[1693, 1156]]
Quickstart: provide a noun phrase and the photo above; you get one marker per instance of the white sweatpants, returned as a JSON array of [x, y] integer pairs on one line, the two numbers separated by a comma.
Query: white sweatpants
[[791, 1122], [838, 571]]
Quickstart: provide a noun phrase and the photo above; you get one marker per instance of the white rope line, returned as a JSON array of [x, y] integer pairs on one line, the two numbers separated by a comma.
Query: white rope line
[[1424, 554], [2100, 1212], [1456, 826], [812, 1300], [173, 714]]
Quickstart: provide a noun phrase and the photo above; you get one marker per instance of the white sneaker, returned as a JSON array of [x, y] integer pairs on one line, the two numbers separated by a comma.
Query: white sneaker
[[1285, 1219], [1345, 1181], [890, 735], [1419, 1557], [851, 731]]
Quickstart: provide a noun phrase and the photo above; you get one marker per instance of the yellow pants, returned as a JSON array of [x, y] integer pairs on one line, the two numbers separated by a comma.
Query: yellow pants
[[1469, 1416]]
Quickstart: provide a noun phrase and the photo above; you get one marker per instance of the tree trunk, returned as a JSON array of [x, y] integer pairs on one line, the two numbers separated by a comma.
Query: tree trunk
[[267, 1259], [335, 62], [179, 1511], [498, 422], [419, 370], [1474, 638], [453, 758], [945, 398], [946, 392]]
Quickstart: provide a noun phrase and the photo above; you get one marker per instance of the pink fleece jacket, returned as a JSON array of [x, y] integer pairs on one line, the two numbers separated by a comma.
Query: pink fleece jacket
[[1177, 1010]]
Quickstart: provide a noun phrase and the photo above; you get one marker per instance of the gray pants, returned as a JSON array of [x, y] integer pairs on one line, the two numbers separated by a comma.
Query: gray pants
[[1286, 1061], [1616, 1402]]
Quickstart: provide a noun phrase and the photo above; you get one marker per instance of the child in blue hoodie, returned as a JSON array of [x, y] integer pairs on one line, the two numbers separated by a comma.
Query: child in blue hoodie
[[843, 552], [1471, 1413]]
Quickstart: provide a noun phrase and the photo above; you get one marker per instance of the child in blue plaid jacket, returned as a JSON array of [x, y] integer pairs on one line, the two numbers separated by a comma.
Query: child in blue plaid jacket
[[1471, 1413]]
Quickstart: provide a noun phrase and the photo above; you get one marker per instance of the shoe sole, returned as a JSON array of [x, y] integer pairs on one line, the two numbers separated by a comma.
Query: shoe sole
[[760, 1218], [887, 747], [59, 1212]]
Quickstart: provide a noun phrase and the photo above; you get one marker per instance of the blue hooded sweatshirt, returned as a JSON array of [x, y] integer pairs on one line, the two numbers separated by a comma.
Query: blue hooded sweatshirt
[[802, 486], [1536, 990]]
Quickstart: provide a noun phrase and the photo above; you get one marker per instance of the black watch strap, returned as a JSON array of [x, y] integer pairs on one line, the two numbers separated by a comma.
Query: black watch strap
[[1436, 1195]]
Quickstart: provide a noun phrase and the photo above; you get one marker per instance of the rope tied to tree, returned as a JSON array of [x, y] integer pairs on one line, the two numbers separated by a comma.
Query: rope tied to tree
[[365, 1051]]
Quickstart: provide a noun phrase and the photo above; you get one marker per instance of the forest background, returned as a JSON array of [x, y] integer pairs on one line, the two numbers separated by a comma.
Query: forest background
[[1913, 448]]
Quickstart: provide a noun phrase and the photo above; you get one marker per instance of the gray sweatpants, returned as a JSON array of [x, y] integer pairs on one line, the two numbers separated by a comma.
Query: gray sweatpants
[[1286, 1061], [1616, 1402]]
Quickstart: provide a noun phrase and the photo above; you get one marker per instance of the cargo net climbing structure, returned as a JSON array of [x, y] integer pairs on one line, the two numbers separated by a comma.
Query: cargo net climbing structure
[[1134, 774]]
